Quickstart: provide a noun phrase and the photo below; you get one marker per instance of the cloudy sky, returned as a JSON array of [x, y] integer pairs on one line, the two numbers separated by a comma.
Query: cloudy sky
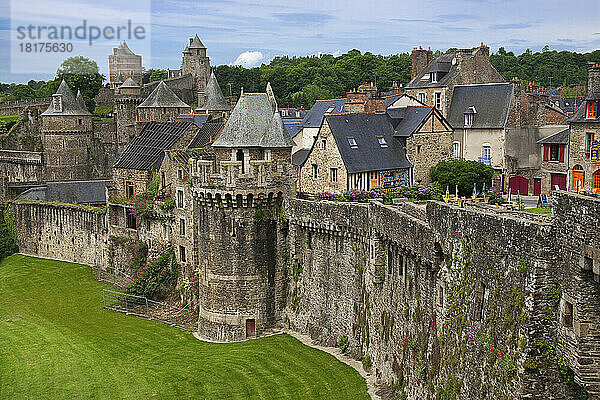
[[252, 32]]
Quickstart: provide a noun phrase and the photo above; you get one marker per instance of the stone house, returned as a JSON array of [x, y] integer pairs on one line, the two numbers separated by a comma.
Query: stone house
[[355, 151], [311, 123], [425, 134], [433, 77], [583, 158]]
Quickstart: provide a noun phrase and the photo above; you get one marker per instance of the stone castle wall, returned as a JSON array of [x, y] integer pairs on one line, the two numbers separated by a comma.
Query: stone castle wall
[[63, 232], [16, 107]]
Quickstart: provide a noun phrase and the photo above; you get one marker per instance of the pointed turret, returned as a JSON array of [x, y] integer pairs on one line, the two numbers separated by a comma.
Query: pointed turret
[[276, 136], [162, 96], [64, 103], [119, 79], [271, 95], [80, 100], [196, 43], [215, 101]]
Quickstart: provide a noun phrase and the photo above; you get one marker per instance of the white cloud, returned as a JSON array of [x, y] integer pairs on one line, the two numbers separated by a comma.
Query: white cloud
[[249, 59]]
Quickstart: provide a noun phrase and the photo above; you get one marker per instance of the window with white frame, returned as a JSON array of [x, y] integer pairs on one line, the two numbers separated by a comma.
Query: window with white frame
[[468, 119], [422, 97], [438, 100], [333, 172], [352, 142], [382, 141], [486, 151], [456, 149]]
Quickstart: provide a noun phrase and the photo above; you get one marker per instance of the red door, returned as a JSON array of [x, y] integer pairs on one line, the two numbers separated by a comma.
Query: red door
[[537, 186], [250, 328], [518, 185], [559, 180]]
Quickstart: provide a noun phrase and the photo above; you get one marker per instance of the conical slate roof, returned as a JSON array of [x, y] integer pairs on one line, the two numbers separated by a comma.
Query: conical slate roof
[[162, 96], [119, 78], [70, 105], [80, 100], [186, 50], [197, 43], [214, 96], [129, 83], [253, 123]]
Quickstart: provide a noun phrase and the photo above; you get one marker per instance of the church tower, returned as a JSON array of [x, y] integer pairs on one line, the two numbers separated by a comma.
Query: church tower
[[67, 136], [196, 63], [237, 201]]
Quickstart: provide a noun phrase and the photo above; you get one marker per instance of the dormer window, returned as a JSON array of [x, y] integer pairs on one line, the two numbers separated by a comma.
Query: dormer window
[[468, 119], [592, 109], [382, 141], [352, 143], [57, 102]]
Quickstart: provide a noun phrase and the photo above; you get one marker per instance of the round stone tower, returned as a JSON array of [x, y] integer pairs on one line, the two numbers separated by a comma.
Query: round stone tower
[[127, 98], [237, 206], [67, 136], [196, 63]]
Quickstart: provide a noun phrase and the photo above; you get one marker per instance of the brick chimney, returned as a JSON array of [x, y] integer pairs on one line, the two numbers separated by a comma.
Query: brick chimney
[[420, 59], [594, 78]]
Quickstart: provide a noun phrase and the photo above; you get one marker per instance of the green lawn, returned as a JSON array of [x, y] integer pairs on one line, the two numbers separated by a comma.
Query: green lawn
[[539, 210], [57, 342]]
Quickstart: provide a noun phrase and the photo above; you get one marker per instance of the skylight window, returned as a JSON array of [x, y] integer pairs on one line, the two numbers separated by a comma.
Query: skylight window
[[352, 142], [382, 141], [329, 110]]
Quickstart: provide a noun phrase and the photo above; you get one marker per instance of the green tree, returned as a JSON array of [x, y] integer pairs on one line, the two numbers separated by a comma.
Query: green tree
[[464, 173], [158, 74], [80, 73], [78, 65]]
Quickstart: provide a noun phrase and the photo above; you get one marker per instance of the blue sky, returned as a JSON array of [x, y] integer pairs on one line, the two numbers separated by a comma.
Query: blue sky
[[252, 32]]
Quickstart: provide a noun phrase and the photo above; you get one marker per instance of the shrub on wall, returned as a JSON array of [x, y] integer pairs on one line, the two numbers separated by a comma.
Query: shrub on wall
[[415, 193], [8, 234], [462, 173], [152, 277]]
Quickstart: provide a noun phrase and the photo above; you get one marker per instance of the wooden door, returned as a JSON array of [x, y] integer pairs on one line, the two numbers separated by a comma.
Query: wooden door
[[537, 186], [518, 185], [577, 179], [250, 328], [559, 180]]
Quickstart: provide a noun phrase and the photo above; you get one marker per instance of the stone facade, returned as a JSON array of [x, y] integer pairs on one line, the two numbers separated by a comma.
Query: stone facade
[[21, 166], [325, 158], [123, 64], [579, 155]]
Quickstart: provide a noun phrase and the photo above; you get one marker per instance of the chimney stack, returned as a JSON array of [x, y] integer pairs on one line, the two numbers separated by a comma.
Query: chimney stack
[[594, 78], [420, 59]]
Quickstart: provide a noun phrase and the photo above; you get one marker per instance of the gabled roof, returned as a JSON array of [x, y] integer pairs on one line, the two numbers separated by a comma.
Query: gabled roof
[[197, 43], [129, 83], [293, 128], [209, 130], [146, 151], [215, 101], [314, 117], [442, 64], [561, 137], [162, 96], [369, 155], [70, 105], [406, 120], [125, 49], [254, 122], [581, 115], [491, 101]]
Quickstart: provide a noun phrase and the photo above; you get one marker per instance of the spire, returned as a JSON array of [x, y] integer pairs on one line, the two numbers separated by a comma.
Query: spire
[[129, 83], [80, 100], [271, 95], [119, 78], [196, 43], [215, 101]]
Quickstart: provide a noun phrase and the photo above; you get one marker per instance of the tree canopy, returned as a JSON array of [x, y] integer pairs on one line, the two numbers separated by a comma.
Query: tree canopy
[[158, 74], [464, 173]]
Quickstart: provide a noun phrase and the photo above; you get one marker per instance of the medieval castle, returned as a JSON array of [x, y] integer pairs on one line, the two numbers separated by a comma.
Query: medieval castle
[[439, 301]]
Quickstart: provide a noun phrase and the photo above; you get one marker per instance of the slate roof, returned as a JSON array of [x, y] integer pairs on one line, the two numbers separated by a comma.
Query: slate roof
[[581, 115], [197, 43], [198, 119], [442, 64], [365, 128], [70, 105], [129, 83], [293, 128], [119, 78], [314, 116], [80, 100], [71, 192], [491, 101], [162, 96], [561, 137], [569, 104], [209, 130], [146, 151], [299, 157], [215, 101], [389, 100], [406, 120], [254, 122]]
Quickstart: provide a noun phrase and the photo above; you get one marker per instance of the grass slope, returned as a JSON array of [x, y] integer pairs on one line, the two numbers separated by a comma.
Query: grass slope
[[57, 342]]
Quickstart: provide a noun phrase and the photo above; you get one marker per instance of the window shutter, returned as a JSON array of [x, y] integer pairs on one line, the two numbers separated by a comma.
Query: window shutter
[[546, 152], [561, 153]]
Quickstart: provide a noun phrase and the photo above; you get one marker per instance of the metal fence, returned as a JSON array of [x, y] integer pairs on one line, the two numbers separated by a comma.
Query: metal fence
[[181, 317], [113, 276]]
